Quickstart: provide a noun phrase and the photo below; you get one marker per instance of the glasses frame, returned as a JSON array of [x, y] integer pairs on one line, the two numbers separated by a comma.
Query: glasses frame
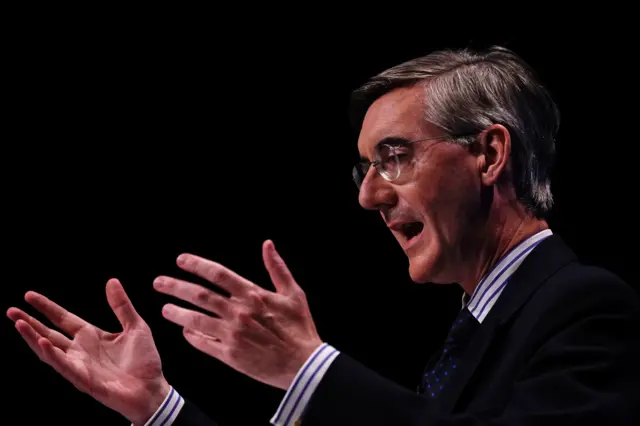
[[377, 164]]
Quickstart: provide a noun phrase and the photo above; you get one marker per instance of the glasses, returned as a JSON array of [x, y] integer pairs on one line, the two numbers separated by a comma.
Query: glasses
[[390, 159]]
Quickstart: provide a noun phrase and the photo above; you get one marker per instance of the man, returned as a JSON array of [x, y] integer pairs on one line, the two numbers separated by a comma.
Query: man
[[456, 151]]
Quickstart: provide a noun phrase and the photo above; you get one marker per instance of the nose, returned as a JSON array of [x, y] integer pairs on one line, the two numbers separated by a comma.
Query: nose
[[375, 192]]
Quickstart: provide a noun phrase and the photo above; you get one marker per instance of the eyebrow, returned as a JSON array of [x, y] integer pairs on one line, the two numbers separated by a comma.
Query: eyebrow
[[389, 140]]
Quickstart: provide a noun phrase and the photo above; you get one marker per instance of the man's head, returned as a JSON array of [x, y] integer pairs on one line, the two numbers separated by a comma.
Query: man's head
[[482, 131]]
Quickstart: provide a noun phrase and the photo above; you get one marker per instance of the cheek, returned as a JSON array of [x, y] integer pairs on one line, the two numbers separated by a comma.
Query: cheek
[[448, 199]]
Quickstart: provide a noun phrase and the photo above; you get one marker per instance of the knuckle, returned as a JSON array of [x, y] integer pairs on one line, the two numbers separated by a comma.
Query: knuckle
[[218, 274], [143, 326], [196, 322], [299, 296], [201, 296]]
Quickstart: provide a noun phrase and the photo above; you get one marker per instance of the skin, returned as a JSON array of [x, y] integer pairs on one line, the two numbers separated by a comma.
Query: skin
[[266, 335], [121, 370], [462, 196]]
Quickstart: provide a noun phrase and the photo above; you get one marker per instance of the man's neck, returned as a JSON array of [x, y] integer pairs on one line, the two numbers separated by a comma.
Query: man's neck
[[501, 240]]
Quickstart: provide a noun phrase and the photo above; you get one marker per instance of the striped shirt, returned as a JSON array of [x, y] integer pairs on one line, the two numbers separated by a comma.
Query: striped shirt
[[490, 287], [168, 411], [308, 378]]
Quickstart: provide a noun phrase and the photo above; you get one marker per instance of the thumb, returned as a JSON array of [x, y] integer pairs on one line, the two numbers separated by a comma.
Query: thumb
[[278, 270], [120, 303]]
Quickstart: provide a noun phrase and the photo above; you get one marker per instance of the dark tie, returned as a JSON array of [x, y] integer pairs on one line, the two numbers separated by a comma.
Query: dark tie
[[437, 376]]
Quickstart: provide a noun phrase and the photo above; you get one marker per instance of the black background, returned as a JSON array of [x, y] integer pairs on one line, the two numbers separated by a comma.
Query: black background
[[131, 140]]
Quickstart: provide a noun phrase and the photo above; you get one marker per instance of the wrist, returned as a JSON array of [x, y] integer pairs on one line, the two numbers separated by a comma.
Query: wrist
[[149, 401], [304, 355]]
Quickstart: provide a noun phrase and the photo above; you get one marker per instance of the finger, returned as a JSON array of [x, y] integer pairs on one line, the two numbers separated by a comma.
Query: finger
[[277, 268], [215, 273], [121, 304], [31, 337], [195, 320], [62, 363], [58, 339], [205, 343], [195, 294], [60, 317]]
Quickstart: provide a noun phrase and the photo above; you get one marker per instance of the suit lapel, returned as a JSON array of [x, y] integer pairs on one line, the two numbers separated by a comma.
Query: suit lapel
[[543, 261]]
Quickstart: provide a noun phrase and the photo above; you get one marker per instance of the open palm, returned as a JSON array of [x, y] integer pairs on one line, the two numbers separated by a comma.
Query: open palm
[[121, 370]]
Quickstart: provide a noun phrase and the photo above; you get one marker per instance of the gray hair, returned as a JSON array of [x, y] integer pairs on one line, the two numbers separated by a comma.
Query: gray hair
[[467, 91]]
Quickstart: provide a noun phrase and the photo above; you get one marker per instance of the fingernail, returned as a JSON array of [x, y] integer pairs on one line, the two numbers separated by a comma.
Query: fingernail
[[158, 282], [182, 259]]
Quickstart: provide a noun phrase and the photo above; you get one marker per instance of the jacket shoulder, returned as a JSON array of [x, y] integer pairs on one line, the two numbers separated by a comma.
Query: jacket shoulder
[[578, 286]]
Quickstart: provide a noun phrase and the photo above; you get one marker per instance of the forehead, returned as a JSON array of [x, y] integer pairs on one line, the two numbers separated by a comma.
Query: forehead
[[398, 113]]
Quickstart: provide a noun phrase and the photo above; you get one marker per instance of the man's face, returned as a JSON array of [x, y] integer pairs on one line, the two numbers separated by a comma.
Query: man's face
[[431, 208]]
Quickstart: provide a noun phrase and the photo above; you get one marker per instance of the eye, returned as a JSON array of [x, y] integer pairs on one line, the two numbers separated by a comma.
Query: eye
[[397, 151]]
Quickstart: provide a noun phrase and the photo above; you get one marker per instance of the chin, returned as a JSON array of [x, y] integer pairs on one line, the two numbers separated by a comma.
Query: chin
[[427, 267], [421, 269]]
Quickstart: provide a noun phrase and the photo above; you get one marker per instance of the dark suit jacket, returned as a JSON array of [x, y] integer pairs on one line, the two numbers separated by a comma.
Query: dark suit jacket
[[561, 346]]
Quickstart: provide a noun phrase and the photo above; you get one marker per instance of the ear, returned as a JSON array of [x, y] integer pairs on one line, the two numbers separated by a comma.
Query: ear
[[495, 150]]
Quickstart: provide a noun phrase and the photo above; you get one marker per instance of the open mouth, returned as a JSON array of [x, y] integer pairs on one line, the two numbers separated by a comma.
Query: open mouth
[[411, 230]]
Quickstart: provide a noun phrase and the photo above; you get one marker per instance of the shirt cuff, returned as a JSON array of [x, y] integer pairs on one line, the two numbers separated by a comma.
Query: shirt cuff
[[304, 384], [168, 411]]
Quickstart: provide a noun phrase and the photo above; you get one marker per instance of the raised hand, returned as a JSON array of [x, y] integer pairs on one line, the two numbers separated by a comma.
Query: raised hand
[[266, 335], [123, 371]]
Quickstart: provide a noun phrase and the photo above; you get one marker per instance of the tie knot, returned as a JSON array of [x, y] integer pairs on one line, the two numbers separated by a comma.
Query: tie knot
[[461, 329]]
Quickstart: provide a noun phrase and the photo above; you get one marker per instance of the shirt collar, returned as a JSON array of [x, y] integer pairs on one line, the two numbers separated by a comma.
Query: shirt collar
[[491, 285]]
